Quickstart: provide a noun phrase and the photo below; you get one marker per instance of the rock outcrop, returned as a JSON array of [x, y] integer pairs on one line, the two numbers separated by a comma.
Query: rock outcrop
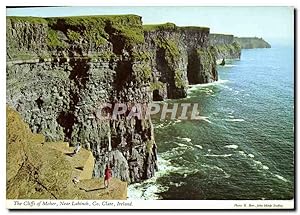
[[252, 42]]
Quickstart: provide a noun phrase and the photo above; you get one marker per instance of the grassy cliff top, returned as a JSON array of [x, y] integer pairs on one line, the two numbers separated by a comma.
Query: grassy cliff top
[[252, 42], [217, 34], [96, 29], [172, 26], [77, 20], [164, 26], [194, 28]]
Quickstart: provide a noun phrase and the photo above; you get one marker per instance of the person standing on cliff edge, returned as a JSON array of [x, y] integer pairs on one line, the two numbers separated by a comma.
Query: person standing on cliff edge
[[107, 176]]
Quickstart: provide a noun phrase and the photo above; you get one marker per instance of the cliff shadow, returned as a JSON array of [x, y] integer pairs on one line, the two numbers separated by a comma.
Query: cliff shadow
[[193, 68]]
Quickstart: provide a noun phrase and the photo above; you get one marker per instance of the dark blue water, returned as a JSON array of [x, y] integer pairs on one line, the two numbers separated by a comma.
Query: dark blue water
[[245, 147]]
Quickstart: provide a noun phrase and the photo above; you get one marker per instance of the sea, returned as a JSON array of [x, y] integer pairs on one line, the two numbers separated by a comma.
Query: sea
[[244, 146]]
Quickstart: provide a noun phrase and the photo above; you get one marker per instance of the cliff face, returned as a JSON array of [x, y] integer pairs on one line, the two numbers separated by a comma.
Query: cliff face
[[59, 70], [252, 42], [179, 56], [225, 46]]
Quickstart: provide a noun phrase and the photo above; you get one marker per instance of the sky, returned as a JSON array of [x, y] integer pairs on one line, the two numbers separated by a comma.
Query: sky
[[272, 23]]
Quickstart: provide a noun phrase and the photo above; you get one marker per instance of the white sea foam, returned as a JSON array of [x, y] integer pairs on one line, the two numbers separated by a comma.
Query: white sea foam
[[198, 86], [148, 189], [242, 153], [177, 184], [260, 164], [181, 144], [205, 118], [251, 155], [198, 146], [222, 155], [167, 123], [257, 162], [235, 120], [216, 168], [231, 146], [281, 178], [265, 167], [186, 139], [229, 65]]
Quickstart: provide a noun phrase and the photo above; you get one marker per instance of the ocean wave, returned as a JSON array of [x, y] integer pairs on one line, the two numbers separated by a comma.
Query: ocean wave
[[176, 184], [265, 167], [214, 167], [146, 191], [242, 153], [214, 155], [231, 146], [229, 65], [198, 146], [198, 86], [181, 144], [234, 120], [149, 189], [281, 177], [186, 139], [205, 118], [165, 124]]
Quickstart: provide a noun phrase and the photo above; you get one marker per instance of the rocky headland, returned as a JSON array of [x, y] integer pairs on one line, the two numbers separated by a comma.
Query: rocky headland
[[252, 42]]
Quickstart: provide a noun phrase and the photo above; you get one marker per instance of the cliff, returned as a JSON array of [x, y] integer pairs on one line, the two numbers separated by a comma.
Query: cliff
[[60, 70], [42, 170], [225, 46], [252, 42], [179, 56]]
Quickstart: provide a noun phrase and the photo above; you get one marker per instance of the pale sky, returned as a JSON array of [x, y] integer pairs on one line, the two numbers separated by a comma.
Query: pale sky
[[271, 23]]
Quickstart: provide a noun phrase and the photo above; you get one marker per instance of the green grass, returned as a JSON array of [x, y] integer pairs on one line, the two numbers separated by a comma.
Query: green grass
[[132, 35], [141, 55], [157, 85], [149, 146], [165, 26], [27, 19], [73, 35], [103, 56], [53, 39], [194, 28], [143, 73], [172, 26], [172, 53], [93, 28], [179, 82]]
